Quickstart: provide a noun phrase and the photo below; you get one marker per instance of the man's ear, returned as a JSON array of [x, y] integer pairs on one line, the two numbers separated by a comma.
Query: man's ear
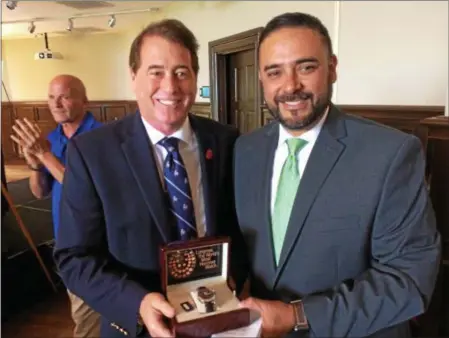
[[333, 68], [132, 74], [133, 79]]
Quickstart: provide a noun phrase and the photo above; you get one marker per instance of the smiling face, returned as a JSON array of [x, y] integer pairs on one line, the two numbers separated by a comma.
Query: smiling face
[[165, 84], [297, 74]]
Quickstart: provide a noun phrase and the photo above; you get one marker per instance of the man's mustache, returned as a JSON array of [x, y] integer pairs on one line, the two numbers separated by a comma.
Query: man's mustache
[[293, 97]]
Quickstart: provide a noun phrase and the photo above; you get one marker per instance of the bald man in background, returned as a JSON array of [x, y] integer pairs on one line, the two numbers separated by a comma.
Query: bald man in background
[[67, 101]]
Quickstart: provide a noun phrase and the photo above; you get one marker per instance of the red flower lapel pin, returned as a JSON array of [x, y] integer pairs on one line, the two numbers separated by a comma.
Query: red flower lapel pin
[[209, 154]]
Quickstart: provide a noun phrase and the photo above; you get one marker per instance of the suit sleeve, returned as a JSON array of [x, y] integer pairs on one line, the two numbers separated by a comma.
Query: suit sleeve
[[81, 250], [405, 256]]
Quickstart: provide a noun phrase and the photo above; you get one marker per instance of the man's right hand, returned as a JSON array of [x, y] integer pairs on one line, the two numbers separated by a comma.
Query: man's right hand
[[153, 308]]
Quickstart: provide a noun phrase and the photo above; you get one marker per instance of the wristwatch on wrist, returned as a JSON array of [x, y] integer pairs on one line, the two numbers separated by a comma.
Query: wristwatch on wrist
[[300, 317], [140, 325], [38, 168]]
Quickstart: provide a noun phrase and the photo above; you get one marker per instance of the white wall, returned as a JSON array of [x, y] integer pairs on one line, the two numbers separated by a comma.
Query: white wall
[[217, 19], [393, 52], [390, 52]]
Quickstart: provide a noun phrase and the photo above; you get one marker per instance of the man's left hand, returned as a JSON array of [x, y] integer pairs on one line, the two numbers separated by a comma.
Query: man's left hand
[[278, 318], [29, 136]]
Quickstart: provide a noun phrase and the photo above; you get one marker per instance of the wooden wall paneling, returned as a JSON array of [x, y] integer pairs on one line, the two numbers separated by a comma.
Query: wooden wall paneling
[[132, 107], [400, 117], [25, 111], [96, 111], [43, 113], [434, 135], [115, 112], [405, 118], [44, 119], [202, 109], [8, 145]]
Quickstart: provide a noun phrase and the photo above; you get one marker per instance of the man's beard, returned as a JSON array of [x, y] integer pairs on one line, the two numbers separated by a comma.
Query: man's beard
[[318, 109]]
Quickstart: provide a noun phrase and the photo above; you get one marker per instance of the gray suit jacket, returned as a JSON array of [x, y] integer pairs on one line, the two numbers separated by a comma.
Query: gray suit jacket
[[361, 248]]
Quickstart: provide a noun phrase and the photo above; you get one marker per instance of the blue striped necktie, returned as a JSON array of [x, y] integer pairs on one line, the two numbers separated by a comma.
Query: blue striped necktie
[[178, 188]]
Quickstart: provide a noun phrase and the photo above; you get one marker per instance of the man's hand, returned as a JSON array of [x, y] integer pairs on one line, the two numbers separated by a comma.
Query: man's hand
[[278, 318], [153, 309], [31, 159], [244, 293], [29, 137]]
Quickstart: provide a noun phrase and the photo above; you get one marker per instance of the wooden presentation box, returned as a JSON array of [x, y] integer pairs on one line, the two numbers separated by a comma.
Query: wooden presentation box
[[201, 265]]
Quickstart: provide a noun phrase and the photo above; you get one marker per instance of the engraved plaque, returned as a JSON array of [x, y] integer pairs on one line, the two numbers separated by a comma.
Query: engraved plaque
[[191, 264]]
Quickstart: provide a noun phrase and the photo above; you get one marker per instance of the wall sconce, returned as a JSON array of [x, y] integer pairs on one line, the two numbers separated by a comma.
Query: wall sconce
[[111, 21], [70, 25], [11, 4], [31, 27]]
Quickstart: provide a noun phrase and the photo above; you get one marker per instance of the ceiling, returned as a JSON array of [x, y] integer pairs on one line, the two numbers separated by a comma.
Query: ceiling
[[88, 16]]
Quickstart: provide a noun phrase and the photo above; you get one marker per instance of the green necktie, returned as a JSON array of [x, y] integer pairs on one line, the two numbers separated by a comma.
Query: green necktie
[[286, 193]]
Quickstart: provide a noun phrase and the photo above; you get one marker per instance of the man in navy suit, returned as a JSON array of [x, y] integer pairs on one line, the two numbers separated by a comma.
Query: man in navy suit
[[156, 176], [342, 236]]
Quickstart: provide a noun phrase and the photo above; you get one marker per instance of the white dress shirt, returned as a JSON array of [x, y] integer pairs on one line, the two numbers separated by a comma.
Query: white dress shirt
[[281, 154], [189, 151]]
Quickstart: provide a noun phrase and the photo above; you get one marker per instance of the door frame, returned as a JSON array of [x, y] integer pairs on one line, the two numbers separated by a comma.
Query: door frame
[[218, 50]]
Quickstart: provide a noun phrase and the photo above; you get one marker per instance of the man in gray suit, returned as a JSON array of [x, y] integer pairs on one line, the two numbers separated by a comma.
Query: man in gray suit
[[340, 229]]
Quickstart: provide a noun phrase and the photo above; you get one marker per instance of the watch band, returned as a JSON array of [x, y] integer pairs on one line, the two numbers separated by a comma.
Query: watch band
[[34, 168], [140, 325], [301, 320]]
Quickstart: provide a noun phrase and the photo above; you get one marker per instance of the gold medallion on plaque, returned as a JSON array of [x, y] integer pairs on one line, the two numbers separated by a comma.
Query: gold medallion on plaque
[[181, 263]]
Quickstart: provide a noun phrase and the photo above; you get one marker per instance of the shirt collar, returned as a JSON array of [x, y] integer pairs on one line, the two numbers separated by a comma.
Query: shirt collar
[[86, 124], [310, 136], [184, 133]]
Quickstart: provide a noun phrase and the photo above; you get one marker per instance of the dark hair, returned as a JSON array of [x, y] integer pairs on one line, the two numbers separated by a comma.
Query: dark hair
[[298, 20], [172, 30]]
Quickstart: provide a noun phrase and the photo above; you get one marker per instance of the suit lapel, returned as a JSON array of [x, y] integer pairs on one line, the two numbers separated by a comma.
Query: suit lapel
[[209, 157], [324, 155], [139, 154]]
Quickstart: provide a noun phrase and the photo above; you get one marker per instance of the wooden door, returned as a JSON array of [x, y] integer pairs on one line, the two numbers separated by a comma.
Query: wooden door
[[242, 90]]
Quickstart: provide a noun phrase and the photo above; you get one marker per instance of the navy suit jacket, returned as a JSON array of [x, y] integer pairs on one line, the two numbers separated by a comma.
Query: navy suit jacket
[[361, 249], [114, 217]]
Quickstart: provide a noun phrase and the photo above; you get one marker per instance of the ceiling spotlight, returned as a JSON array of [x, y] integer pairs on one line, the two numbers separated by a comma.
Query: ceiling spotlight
[[11, 4], [31, 27], [70, 25], [111, 21]]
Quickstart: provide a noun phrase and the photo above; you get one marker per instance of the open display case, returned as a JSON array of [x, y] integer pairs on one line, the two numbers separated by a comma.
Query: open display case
[[195, 278]]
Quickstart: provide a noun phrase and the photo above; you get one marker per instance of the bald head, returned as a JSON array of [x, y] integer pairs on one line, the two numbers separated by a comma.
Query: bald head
[[70, 82], [67, 98]]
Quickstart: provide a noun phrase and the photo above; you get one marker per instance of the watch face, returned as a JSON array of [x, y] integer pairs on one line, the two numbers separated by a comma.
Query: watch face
[[205, 294]]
